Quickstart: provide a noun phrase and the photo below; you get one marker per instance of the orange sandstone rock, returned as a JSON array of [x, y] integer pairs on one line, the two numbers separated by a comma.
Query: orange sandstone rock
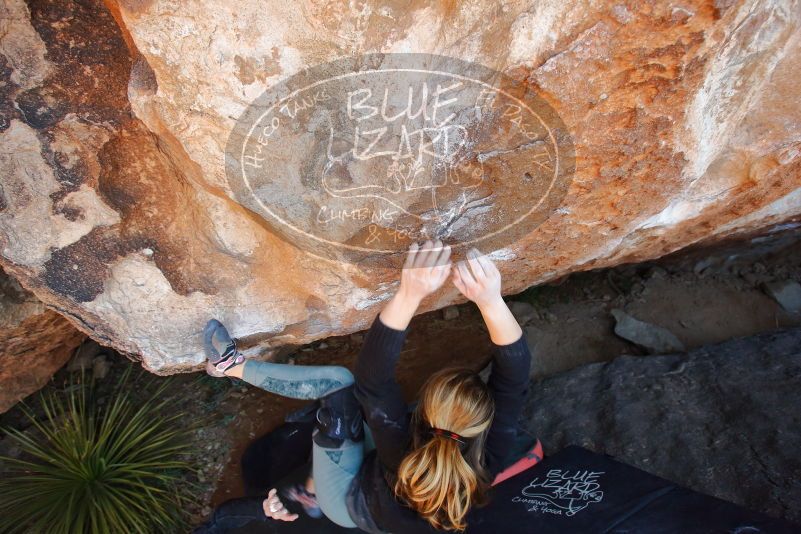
[[34, 343], [684, 121]]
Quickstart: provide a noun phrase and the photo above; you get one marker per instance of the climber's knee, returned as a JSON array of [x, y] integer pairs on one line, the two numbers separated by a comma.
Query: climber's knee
[[339, 418], [342, 375]]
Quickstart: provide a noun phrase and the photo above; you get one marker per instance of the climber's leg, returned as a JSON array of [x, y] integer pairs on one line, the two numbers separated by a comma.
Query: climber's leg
[[338, 441], [337, 453], [338, 448], [333, 469], [294, 381]]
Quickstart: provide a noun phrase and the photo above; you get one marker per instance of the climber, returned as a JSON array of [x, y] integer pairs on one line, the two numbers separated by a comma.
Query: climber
[[418, 472]]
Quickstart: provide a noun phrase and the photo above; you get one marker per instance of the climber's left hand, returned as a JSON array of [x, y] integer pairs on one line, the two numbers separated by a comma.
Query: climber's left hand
[[426, 269]]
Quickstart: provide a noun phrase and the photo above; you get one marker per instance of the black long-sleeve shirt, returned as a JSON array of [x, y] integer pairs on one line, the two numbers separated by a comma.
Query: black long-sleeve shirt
[[388, 418]]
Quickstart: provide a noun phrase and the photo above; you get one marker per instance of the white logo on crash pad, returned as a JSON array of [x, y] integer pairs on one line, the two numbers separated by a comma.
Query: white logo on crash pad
[[562, 492]]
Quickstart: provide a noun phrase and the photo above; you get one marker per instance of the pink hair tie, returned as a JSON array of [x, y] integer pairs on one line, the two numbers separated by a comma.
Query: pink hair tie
[[448, 434]]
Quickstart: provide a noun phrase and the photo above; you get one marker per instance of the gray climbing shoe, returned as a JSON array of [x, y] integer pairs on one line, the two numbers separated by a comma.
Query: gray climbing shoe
[[220, 349]]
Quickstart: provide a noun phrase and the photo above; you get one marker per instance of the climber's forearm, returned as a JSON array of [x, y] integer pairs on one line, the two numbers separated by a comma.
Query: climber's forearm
[[399, 311], [424, 271], [501, 324]]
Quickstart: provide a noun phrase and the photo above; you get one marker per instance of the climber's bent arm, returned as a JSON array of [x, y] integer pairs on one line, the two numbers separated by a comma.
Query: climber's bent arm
[[399, 311], [425, 270], [501, 324]]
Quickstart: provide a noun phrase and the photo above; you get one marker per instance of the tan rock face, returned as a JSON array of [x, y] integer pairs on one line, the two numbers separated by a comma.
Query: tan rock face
[[34, 342], [121, 206]]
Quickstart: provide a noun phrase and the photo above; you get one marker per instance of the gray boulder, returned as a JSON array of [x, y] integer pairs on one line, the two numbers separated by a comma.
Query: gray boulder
[[653, 338], [723, 420], [787, 293]]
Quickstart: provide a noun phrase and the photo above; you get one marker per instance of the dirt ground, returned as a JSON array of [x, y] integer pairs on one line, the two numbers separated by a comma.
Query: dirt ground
[[702, 296], [699, 306]]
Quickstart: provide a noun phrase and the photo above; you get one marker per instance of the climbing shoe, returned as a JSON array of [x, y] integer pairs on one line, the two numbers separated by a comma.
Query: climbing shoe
[[220, 348]]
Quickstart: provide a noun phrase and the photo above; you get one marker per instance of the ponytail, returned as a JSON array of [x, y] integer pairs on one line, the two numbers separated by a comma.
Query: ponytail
[[442, 477]]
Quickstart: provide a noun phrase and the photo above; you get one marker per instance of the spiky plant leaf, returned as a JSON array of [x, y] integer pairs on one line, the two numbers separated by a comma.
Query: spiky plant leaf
[[97, 471]]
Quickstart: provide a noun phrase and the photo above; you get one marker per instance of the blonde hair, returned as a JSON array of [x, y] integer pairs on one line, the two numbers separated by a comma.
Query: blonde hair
[[440, 478]]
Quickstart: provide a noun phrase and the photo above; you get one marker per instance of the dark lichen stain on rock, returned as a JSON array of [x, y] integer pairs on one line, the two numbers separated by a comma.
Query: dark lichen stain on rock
[[151, 197], [42, 107], [158, 205], [70, 174], [80, 270], [89, 78], [89, 55], [143, 79], [71, 213], [7, 89], [92, 65]]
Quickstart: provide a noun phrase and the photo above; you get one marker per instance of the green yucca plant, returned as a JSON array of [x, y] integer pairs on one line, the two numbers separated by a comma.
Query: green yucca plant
[[113, 470]]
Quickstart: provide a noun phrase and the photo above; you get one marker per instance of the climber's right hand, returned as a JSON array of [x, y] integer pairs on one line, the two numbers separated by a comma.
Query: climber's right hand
[[478, 279], [274, 508]]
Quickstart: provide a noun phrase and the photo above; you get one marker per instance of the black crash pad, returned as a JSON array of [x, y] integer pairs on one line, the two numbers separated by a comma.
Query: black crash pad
[[579, 491], [573, 491]]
